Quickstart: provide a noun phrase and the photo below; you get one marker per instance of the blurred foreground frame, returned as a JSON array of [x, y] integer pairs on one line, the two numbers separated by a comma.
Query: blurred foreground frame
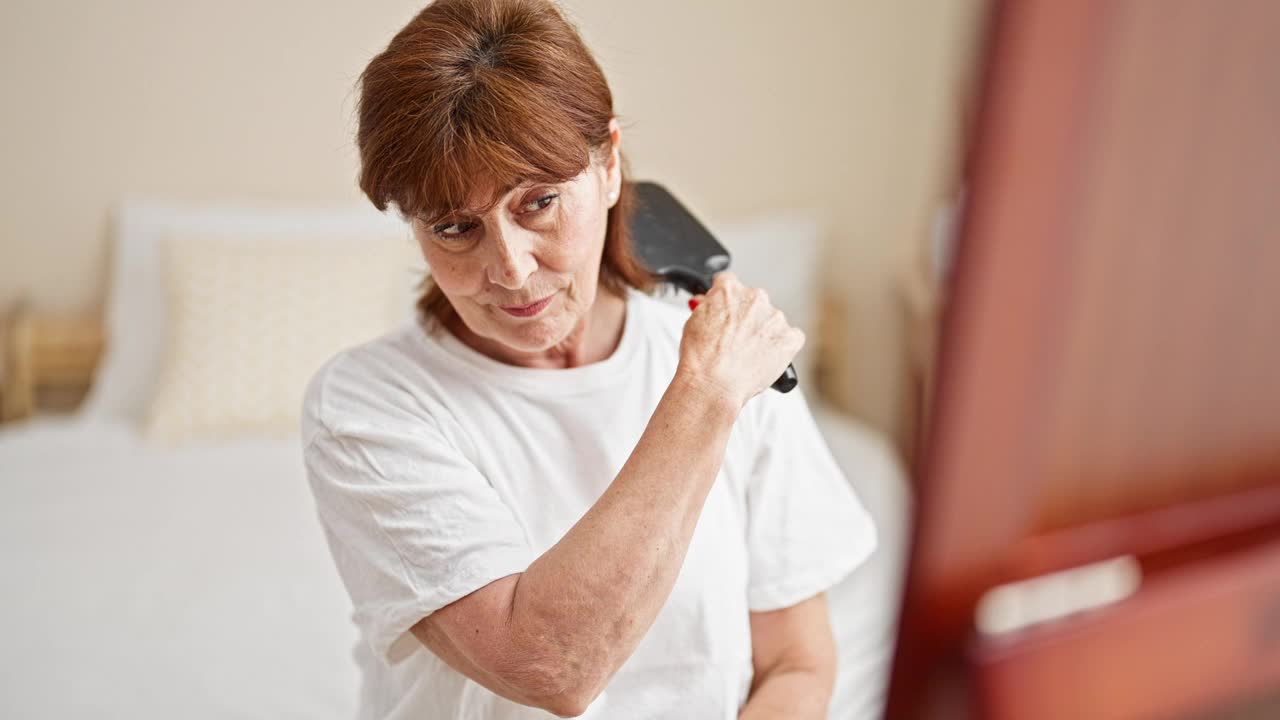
[[1109, 374]]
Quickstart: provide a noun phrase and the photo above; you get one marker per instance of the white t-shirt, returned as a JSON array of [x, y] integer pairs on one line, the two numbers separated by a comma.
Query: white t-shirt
[[437, 470]]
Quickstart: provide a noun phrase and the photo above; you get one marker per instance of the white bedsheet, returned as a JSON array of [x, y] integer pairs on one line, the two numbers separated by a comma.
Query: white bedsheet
[[146, 583]]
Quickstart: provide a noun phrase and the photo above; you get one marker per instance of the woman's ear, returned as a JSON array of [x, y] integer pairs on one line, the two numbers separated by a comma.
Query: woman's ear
[[613, 166]]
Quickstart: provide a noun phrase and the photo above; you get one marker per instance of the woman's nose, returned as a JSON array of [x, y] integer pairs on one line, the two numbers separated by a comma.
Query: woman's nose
[[512, 261]]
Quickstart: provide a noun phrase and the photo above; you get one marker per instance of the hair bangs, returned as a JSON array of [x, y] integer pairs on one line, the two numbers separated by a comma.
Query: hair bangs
[[489, 146]]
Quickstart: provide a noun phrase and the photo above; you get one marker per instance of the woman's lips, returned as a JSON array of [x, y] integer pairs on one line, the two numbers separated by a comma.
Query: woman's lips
[[528, 310]]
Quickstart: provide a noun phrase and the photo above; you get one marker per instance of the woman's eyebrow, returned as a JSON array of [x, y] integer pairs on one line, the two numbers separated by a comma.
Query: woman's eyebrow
[[444, 217]]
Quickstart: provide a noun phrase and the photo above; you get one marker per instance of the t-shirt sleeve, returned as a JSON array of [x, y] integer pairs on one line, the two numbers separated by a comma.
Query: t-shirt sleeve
[[412, 525], [806, 528]]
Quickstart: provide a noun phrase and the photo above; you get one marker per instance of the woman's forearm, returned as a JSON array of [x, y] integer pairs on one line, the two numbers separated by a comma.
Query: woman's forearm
[[585, 604]]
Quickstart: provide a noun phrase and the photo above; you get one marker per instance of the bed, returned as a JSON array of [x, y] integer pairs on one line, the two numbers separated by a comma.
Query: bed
[[148, 582], [160, 580]]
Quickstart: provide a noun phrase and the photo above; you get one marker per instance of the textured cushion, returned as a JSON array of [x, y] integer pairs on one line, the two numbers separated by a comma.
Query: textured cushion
[[250, 320], [137, 310]]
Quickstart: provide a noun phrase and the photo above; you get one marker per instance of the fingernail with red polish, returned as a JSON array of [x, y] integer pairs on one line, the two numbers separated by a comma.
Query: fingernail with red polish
[[693, 303]]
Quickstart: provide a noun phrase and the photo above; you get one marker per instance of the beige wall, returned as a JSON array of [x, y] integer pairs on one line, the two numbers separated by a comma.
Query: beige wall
[[839, 105]]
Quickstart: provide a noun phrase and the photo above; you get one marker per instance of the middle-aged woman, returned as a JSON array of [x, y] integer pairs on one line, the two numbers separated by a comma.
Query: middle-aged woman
[[551, 492]]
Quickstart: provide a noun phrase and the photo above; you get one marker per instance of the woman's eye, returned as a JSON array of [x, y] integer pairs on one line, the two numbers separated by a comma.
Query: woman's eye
[[541, 203], [453, 230]]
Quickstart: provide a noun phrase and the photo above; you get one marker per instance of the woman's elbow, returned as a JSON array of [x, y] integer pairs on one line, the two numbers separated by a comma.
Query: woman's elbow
[[567, 706], [567, 702], [557, 685]]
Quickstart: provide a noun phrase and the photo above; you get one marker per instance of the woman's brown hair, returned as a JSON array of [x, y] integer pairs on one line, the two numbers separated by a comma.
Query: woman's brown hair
[[481, 95]]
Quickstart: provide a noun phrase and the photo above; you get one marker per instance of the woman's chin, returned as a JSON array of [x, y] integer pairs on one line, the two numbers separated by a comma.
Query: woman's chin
[[536, 334]]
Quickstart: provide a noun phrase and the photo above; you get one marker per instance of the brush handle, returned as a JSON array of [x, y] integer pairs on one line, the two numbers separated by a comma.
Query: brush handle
[[787, 381]]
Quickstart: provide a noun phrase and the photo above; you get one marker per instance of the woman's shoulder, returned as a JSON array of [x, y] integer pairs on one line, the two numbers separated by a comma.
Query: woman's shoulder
[[382, 380], [665, 313]]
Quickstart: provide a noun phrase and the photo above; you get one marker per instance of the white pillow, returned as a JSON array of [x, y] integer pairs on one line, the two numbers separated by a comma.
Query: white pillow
[[782, 254], [250, 321], [136, 311]]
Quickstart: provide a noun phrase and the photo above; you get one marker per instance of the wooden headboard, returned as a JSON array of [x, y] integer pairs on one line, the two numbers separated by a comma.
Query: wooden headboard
[[49, 361]]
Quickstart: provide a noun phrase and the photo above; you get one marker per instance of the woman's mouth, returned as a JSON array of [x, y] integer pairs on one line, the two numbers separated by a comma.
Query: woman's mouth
[[528, 310]]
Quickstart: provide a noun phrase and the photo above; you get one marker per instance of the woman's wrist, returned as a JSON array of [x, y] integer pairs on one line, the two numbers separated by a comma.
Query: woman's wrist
[[707, 393]]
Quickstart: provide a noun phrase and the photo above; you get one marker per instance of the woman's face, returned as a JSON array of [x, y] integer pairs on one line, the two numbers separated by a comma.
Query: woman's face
[[525, 273]]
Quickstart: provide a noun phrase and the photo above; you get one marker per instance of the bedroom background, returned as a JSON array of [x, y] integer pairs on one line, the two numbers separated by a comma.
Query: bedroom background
[[846, 108], [162, 538]]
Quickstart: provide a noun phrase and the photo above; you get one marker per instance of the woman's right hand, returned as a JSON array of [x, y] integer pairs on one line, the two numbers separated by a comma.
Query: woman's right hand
[[736, 341]]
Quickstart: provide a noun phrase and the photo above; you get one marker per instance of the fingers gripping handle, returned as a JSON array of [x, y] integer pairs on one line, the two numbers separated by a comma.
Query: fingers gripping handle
[[787, 381]]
